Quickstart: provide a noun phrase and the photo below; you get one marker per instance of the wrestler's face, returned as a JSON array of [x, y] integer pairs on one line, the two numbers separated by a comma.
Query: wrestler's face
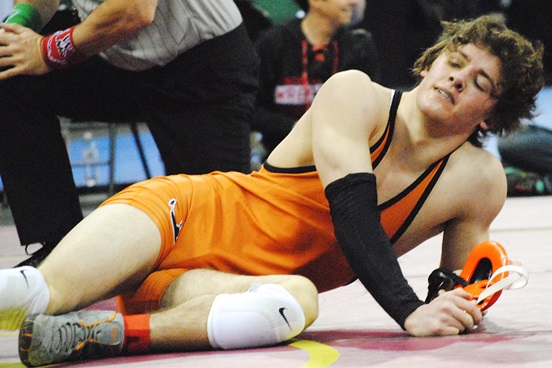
[[340, 12], [459, 90]]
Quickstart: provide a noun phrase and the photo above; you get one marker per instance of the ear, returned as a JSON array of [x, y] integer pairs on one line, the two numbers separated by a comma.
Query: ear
[[484, 125], [423, 73]]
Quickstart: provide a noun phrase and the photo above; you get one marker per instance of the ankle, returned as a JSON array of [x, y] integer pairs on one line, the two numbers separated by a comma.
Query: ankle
[[137, 333]]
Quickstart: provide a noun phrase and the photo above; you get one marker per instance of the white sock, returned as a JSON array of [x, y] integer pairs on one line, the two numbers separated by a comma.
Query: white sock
[[23, 288], [265, 315]]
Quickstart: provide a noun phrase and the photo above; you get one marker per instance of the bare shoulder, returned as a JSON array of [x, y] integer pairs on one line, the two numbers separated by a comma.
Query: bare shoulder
[[482, 163], [352, 83], [335, 133], [352, 94], [347, 112], [479, 177]]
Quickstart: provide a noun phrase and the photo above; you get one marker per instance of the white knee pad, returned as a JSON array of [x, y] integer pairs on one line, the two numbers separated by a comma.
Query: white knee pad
[[265, 315]]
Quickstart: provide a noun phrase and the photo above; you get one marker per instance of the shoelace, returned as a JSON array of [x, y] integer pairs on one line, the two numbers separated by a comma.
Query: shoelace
[[73, 336]]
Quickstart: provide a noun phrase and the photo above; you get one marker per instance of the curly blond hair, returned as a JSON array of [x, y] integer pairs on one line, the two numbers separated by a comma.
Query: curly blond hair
[[521, 69]]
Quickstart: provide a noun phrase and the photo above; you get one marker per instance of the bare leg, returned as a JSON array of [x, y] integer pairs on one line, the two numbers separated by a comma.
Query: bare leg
[[183, 326], [111, 250]]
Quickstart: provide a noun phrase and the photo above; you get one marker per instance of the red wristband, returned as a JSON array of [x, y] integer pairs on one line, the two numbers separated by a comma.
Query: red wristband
[[59, 51]]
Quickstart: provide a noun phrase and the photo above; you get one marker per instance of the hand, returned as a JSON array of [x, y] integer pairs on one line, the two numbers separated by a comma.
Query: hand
[[20, 52], [450, 313]]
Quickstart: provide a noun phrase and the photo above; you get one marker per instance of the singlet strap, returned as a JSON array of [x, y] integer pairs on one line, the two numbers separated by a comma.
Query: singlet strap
[[398, 213], [379, 149]]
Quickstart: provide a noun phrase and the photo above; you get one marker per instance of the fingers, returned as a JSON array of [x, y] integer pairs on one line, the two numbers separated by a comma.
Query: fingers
[[8, 72], [463, 320], [462, 309], [468, 304], [433, 319], [20, 52], [13, 27], [451, 313]]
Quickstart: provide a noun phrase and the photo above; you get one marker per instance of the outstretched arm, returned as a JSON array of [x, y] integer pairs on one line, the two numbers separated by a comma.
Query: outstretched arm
[[482, 187]]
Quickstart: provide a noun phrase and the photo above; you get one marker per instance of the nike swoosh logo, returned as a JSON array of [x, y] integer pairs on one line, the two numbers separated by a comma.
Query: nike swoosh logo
[[175, 226], [281, 310], [25, 277]]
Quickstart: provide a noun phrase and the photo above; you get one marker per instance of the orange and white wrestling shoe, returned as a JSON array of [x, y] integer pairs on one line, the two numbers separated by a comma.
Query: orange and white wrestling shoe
[[486, 273]]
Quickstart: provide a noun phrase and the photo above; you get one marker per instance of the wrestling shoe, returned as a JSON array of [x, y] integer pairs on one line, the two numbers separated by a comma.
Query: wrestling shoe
[[486, 273], [23, 291], [46, 340]]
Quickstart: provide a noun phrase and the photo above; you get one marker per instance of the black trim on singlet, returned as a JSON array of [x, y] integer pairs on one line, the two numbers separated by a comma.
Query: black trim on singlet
[[422, 199], [387, 133], [388, 130], [289, 170]]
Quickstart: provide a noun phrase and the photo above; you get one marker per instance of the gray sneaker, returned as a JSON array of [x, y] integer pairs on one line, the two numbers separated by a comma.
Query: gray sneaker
[[46, 340]]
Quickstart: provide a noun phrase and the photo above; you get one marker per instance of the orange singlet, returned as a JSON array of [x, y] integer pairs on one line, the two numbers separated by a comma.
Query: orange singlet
[[275, 221]]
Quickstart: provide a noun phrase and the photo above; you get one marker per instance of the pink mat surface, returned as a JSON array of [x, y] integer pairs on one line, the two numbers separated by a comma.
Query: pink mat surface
[[353, 331]]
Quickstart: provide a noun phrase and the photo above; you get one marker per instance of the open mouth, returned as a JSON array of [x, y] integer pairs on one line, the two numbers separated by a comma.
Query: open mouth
[[445, 94]]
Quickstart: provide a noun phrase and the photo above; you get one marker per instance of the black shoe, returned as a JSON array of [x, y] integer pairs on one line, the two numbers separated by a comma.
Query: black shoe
[[37, 257]]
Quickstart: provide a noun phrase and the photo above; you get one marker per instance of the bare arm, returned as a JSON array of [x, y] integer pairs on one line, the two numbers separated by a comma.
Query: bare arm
[[482, 187], [110, 23], [344, 114]]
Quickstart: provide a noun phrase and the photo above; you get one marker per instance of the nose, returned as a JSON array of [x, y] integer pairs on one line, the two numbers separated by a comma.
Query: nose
[[457, 81]]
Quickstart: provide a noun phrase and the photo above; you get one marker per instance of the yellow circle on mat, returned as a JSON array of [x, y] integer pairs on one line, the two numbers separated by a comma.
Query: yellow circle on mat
[[12, 365], [321, 356]]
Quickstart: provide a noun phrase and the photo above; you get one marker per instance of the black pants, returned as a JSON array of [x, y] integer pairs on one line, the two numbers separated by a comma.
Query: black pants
[[198, 109]]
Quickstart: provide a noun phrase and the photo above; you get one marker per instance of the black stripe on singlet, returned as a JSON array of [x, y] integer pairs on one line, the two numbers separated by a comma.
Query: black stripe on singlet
[[388, 134], [422, 199], [385, 138]]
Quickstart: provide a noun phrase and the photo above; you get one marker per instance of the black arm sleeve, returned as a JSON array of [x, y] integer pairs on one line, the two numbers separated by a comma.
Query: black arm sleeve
[[356, 219]]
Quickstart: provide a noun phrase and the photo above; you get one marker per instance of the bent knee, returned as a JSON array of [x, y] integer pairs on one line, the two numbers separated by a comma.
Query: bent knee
[[265, 315], [306, 294]]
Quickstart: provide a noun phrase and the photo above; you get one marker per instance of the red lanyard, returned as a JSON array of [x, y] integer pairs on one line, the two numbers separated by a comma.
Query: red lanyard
[[305, 74]]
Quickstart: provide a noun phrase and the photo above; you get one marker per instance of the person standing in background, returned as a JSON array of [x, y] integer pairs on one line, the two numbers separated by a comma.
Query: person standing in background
[[298, 56]]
